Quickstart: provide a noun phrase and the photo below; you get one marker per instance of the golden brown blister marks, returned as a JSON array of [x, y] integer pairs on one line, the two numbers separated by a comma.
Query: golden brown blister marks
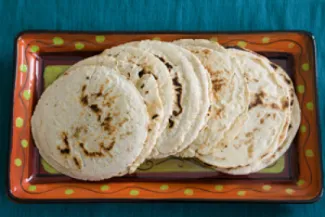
[[100, 92], [77, 162], [178, 90], [258, 100], [250, 151], [249, 134], [154, 116], [167, 64], [275, 106], [79, 130], [84, 97], [285, 104], [96, 110], [142, 86], [171, 123], [89, 153], [66, 149], [217, 84], [262, 121]]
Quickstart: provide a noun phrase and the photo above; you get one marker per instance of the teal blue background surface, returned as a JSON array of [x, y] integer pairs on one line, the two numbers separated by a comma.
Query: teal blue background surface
[[143, 15]]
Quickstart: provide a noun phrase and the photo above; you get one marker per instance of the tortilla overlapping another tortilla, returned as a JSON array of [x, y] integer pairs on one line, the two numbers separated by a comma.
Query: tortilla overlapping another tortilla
[[229, 95], [147, 86], [232, 109], [191, 96], [91, 123]]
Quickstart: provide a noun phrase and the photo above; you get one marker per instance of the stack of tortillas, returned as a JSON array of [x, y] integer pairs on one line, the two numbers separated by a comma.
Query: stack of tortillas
[[232, 109]]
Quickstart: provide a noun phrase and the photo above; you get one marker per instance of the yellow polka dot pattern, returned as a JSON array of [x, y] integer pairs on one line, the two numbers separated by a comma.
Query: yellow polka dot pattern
[[242, 44], [34, 48], [23, 68], [58, 41], [68, 191], [266, 187], [290, 191], [303, 129], [26, 94], [265, 40], [19, 122], [24, 143], [300, 182], [100, 38], [18, 162], [79, 45], [188, 192], [309, 153], [310, 106], [104, 187], [305, 66], [164, 187], [241, 193], [218, 187], [134, 192], [32, 188], [301, 89]]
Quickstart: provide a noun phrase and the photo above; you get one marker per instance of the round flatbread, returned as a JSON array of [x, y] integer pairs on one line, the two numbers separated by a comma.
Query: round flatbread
[[151, 65], [230, 96], [147, 85], [188, 97], [271, 158], [267, 120], [91, 123]]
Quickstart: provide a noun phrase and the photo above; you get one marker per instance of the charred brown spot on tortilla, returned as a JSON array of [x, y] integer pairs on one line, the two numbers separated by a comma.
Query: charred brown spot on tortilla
[[258, 100], [66, 149], [89, 153], [171, 123], [206, 51], [109, 147], [95, 108], [285, 104], [154, 116], [108, 126], [142, 86], [76, 162], [141, 73], [146, 92], [264, 155], [291, 103], [84, 100], [250, 134], [273, 116], [275, 106], [79, 130], [87, 77], [217, 84], [83, 97], [290, 126], [262, 121], [167, 64], [250, 151], [122, 122], [178, 90], [100, 92]]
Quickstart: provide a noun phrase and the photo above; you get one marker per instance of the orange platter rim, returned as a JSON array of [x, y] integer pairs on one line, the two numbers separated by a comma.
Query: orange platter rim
[[308, 186]]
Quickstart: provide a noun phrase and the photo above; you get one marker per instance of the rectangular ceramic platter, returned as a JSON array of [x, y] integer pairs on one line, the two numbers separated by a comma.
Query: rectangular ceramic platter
[[42, 56]]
